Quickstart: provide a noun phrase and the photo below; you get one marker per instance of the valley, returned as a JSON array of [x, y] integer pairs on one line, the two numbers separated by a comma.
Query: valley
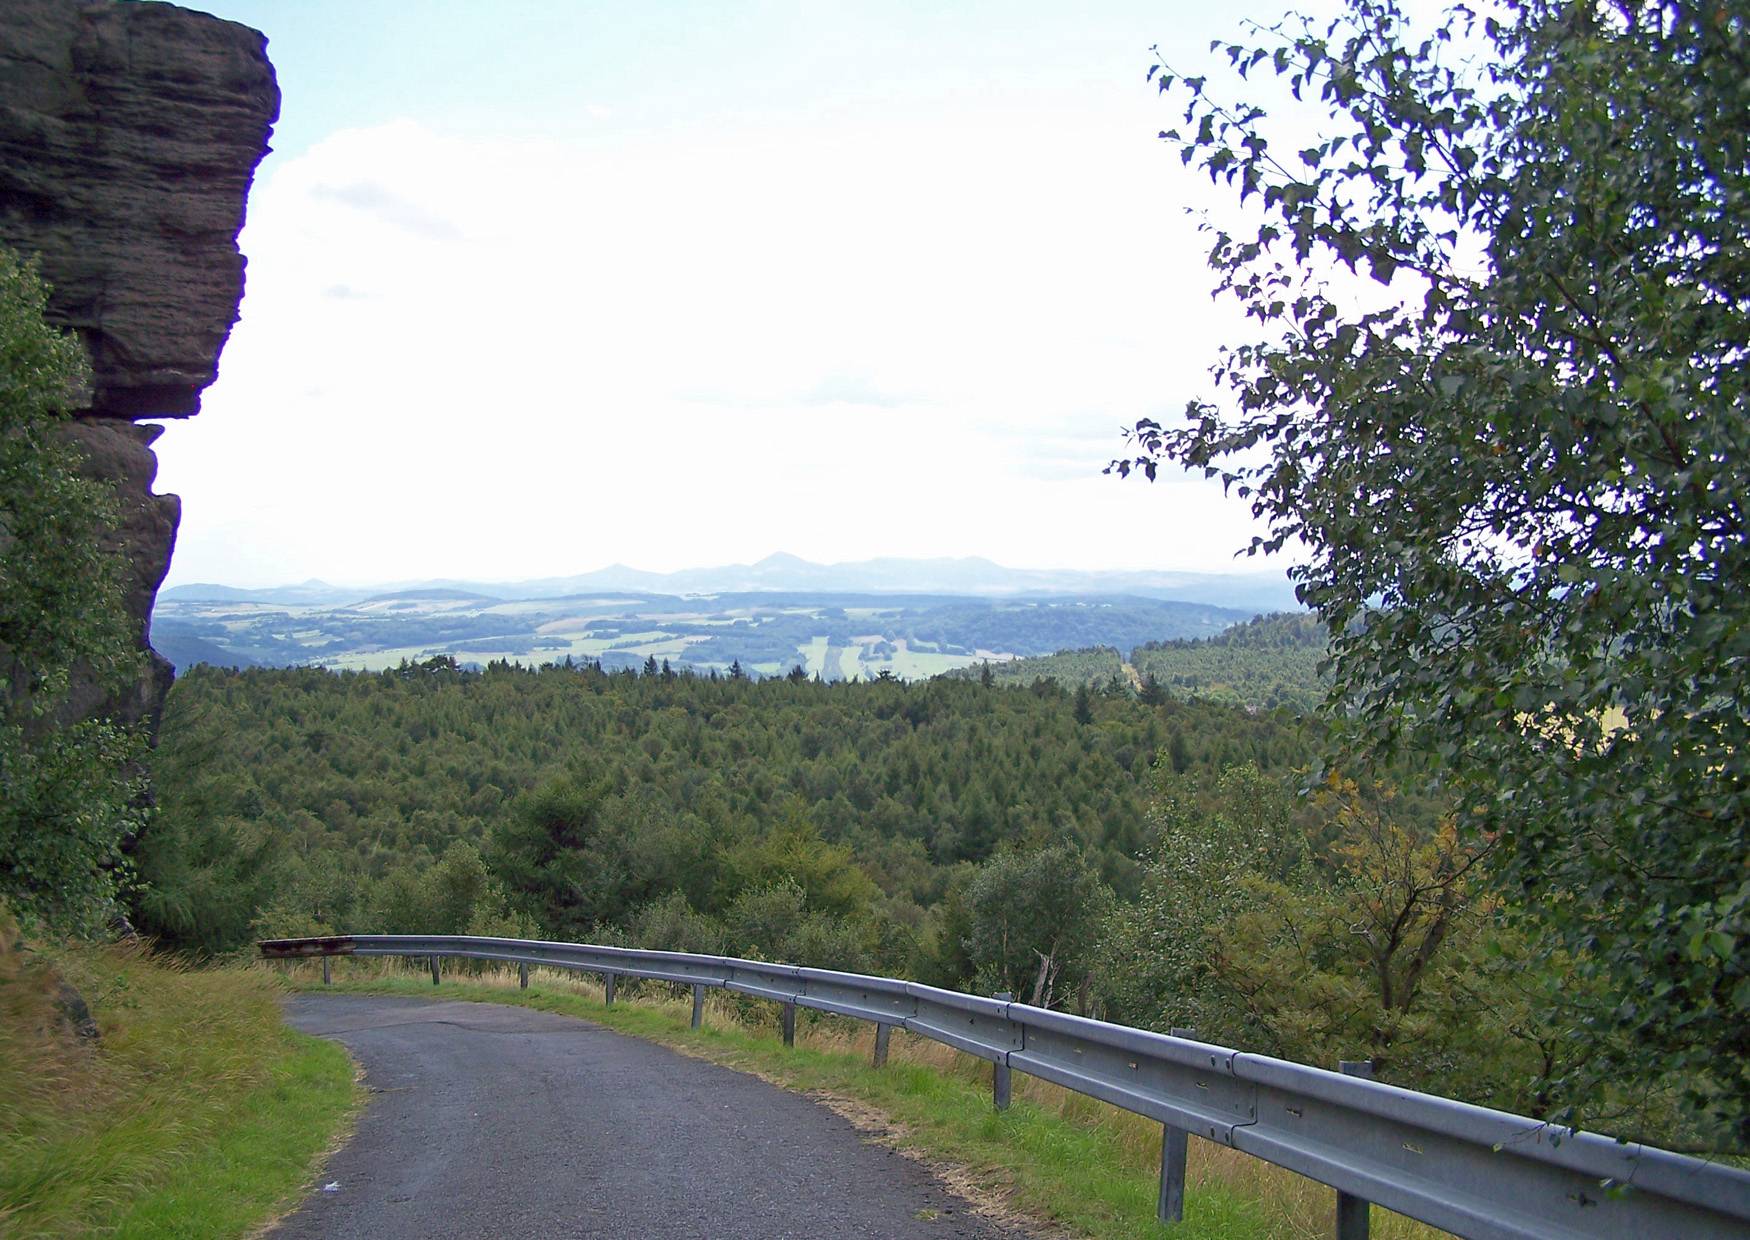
[[833, 636]]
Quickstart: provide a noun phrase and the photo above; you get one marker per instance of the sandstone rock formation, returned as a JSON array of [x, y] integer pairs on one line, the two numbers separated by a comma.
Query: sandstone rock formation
[[129, 134]]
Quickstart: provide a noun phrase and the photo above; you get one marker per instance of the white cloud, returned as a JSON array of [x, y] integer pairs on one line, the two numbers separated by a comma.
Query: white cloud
[[502, 359]]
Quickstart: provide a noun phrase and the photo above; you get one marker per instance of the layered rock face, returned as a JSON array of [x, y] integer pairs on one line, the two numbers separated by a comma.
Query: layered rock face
[[129, 134]]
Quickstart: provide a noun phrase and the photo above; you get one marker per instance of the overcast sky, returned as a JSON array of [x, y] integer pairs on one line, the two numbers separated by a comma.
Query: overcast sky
[[536, 287]]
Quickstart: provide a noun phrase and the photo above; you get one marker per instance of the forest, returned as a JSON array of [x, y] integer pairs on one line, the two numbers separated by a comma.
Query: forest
[[1098, 667], [1266, 662], [1165, 862], [301, 794]]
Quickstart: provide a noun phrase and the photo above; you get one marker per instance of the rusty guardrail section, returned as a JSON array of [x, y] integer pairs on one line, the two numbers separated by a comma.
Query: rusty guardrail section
[[1468, 1169]]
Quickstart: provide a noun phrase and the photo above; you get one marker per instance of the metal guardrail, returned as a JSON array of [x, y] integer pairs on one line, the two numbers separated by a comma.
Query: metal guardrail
[[1470, 1170]]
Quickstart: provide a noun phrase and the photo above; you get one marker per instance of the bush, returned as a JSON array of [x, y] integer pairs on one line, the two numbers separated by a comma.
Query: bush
[[69, 786]]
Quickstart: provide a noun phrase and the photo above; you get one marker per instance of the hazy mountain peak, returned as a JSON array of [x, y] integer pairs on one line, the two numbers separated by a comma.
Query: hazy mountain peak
[[783, 571]]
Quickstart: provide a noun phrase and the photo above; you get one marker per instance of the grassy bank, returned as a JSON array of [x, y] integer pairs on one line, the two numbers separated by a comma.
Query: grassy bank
[[1086, 1167], [196, 1113]]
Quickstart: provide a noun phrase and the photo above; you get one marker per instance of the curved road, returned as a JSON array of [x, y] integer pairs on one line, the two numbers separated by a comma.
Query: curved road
[[488, 1120]]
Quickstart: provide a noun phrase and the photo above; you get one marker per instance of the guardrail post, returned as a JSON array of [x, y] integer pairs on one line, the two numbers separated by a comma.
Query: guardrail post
[[608, 980], [698, 1004], [1001, 1084], [1170, 1208], [522, 976], [326, 980], [1352, 1212], [434, 970], [881, 1034], [789, 1024]]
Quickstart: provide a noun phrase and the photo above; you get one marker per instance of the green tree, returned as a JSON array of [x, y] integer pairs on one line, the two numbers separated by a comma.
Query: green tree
[[547, 854], [1386, 946], [1210, 832], [455, 895], [1520, 471], [792, 851], [1032, 918], [670, 924], [69, 784]]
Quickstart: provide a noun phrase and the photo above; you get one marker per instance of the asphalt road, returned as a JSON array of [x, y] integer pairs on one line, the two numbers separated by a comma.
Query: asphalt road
[[488, 1120]]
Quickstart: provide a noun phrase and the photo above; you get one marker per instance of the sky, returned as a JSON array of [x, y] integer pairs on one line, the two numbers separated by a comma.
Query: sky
[[535, 287]]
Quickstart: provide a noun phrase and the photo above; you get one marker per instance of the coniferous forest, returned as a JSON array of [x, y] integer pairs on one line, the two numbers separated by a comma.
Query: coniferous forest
[[1148, 858], [297, 798], [1265, 663]]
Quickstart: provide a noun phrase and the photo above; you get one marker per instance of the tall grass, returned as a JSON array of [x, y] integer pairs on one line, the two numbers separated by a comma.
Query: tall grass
[[196, 1112], [1057, 1155]]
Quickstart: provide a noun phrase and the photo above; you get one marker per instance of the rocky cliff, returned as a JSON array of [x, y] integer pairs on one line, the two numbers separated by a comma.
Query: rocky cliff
[[129, 134]]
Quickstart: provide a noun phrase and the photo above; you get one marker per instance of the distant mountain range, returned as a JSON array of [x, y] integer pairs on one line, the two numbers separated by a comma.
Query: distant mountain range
[[972, 575]]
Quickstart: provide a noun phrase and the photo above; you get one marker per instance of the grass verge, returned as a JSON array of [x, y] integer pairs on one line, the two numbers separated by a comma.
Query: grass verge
[[196, 1113], [1058, 1158]]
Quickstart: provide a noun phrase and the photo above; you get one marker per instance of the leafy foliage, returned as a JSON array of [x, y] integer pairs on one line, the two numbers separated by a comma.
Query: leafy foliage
[[1211, 831], [1349, 924], [68, 788], [1520, 469], [1033, 920], [1379, 947]]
